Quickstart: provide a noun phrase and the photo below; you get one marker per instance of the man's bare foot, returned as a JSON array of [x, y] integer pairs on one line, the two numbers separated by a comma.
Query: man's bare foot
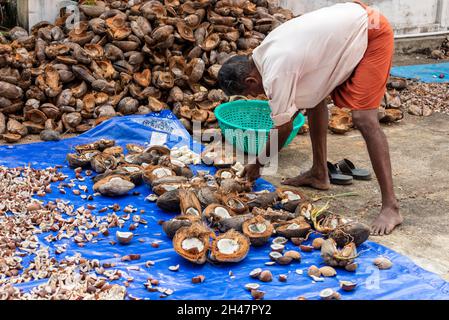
[[309, 179], [386, 222]]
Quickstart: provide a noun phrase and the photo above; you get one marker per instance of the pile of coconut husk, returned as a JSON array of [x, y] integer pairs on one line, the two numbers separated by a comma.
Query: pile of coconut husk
[[391, 109], [125, 57], [443, 52]]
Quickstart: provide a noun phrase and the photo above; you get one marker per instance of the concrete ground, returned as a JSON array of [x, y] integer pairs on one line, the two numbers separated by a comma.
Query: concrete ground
[[419, 151]]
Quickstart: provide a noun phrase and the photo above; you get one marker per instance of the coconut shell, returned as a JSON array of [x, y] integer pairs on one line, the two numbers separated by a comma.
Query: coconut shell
[[235, 222], [296, 228], [237, 255], [169, 201], [334, 257], [235, 203], [113, 186], [154, 172], [289, 204], [351, 232], [207, 196], [171, 226], [257, 238], [102, 162], [263, 200], [196, 231], [210, 213]]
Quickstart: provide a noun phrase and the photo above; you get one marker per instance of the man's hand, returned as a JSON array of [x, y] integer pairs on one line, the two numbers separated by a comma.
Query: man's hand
[[252, 172]]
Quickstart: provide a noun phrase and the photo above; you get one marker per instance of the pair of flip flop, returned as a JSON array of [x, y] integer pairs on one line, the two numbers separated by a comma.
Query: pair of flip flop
[[344, 173]]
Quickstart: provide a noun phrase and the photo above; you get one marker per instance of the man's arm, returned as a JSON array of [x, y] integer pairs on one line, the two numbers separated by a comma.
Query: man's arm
[[252, 171]]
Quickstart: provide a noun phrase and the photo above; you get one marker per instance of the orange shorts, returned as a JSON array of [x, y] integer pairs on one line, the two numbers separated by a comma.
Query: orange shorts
[[366, 87]]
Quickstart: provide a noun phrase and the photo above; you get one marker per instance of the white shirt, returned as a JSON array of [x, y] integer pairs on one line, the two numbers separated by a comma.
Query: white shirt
[[303, 60]]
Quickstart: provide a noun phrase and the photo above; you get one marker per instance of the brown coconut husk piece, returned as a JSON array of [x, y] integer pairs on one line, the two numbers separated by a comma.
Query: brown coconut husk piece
[[169, 201], [290, 198], [355, 232], [335, 257], [171, 226], [295, 228], [189, 203]]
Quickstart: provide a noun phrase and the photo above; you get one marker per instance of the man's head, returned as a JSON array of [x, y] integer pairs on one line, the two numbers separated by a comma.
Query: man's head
[[239, 76]]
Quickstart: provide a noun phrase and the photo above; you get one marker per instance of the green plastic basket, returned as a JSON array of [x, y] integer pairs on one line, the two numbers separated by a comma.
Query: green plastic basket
[[246, 124]]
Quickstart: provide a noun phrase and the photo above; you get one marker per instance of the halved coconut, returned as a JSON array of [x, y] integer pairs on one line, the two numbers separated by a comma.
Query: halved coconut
[[235, 204], [258, 230], [290, 198], [227, 173], [192, 243], [114, 185], [231, 246], [295, 228], [152, 173], [214, 213], [171, 226], [189, 203]]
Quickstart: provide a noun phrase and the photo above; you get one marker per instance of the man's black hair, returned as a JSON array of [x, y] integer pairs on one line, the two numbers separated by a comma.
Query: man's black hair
[[233, 73]]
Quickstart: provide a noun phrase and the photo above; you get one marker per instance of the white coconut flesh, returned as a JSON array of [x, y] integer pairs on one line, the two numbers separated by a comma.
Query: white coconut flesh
[[192, 243], [291, 196], [257, 228], [192, 211], [293, 226], [132, 169], [162, 172], [228, 246], [170, 187], [221, 213], [226, 175]]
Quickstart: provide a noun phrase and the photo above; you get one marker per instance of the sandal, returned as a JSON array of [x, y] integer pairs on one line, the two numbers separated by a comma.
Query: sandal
[[348, 168], [336, 176]]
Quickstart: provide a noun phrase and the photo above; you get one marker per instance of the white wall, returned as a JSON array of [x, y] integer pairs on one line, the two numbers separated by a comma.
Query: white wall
[[406, 16]]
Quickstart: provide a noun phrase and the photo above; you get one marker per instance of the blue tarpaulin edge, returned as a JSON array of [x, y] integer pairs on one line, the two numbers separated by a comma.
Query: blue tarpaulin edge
[[404, 281], [428, 73]]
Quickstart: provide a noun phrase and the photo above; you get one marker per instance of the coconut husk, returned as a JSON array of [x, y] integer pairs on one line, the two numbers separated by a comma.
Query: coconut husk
[[171, 226], [189, 251], [347, 233], [258, 230], [189, 203], [295, 228], [231, 246]]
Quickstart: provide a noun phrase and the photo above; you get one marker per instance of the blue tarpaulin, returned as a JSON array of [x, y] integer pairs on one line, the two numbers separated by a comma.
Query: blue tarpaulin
[[428, 73], [404, 280]]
